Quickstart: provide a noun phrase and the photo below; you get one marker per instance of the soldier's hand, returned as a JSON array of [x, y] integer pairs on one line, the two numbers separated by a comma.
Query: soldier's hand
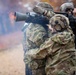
[[38, 10]]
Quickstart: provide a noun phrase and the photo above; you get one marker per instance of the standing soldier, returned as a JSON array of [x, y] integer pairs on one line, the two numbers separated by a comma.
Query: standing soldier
[[35, 36], [68, 8], [61, 59]]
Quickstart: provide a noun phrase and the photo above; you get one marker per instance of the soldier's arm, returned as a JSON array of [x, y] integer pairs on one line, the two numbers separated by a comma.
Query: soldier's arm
[[41, 52], [36, 53]]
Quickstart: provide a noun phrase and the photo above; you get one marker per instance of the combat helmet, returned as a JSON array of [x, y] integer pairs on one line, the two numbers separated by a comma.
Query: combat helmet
[[66, 6], [45, 5], [59, 23], [44, 8]]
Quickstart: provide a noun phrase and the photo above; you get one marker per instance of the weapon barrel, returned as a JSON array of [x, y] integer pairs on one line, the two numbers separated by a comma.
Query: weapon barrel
[[61, 13], [20, 16]]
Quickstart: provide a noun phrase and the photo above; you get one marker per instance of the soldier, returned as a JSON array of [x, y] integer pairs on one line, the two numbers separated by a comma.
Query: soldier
[[35, 36], [62, 54], [58, 50], [68, 8]]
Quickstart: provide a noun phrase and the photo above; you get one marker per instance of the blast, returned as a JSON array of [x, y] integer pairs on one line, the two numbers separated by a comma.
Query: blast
[[12, 18]]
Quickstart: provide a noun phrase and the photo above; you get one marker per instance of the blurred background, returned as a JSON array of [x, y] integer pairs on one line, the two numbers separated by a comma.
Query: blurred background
[[11, 34]]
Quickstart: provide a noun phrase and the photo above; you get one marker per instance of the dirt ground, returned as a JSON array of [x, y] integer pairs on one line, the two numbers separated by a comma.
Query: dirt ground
[[11, 61], [11, 54]]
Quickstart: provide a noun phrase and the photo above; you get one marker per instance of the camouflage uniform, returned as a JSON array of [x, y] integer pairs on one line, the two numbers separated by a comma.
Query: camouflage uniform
[[58, 50], [35, 36]]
